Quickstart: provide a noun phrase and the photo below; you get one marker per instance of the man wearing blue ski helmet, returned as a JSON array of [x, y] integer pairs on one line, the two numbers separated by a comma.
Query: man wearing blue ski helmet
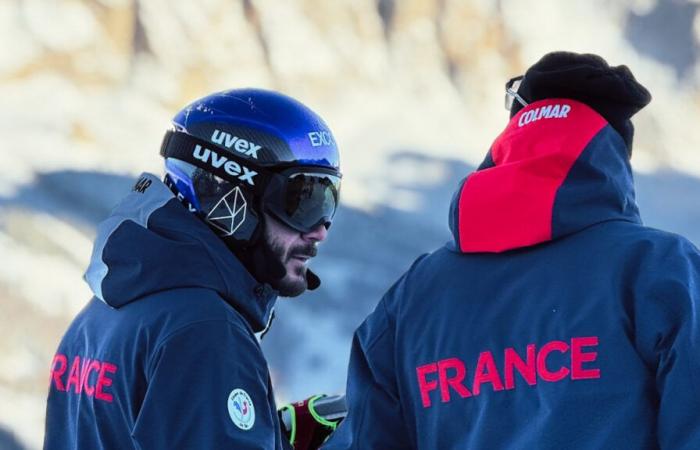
[[249, 162], [185, 274]]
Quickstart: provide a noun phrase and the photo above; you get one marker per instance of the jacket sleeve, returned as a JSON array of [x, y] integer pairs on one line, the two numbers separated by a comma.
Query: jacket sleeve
[[375, 418], [208, 387], [668, 334]]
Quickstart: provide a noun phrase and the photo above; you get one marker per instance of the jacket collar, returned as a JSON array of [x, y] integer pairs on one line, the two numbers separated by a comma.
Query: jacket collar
[[151, 243], [557, 168]]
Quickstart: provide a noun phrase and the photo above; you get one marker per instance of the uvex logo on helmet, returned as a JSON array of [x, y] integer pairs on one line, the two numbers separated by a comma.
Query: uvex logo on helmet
[[231, 167], [239, 144]]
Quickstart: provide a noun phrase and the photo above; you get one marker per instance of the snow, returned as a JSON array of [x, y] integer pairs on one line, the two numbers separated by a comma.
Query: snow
[[83, 114]]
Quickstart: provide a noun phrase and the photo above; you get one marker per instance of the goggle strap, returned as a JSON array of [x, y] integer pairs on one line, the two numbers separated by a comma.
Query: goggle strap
[[183, 146]]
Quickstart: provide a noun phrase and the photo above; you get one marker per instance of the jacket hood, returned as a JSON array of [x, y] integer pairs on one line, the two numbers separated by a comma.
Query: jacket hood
[[152, 243], [556, 169]]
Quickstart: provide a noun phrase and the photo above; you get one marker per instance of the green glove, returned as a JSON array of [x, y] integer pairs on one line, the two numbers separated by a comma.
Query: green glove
[[308, 423]]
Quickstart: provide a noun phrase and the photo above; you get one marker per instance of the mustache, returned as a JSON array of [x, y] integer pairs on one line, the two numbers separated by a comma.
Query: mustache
[[309, 250]]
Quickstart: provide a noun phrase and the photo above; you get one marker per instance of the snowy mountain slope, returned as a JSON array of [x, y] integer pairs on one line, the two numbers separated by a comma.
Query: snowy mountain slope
[[413, 90]]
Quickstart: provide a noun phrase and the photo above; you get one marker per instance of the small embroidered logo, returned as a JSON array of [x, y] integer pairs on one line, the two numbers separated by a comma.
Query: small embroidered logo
[[241, 409]]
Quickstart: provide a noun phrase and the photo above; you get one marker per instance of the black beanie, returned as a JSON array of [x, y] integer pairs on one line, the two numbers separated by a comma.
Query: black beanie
[[611, 91]]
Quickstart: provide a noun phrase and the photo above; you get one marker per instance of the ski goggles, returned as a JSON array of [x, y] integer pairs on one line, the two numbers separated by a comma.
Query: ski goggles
[[301, 197]]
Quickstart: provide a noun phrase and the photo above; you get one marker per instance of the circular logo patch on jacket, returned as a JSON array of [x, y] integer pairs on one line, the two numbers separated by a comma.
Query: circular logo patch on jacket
[[241, 409]]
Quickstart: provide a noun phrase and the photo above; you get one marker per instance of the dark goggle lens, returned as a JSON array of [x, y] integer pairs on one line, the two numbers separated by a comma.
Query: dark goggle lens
[[309, 199]]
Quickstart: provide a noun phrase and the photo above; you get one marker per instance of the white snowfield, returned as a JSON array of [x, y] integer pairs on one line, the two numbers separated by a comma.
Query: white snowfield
[[413, 91]]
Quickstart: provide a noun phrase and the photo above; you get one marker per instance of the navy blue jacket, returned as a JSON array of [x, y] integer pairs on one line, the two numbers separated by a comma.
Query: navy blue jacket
[[555, 320], [164, 356]]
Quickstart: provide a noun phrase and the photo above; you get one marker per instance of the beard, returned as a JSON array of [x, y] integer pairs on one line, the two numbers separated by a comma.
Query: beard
[[294, 281]]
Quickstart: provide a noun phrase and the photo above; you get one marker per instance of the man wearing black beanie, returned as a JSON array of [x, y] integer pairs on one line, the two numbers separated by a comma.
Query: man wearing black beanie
[[554, 319], [611, 91]]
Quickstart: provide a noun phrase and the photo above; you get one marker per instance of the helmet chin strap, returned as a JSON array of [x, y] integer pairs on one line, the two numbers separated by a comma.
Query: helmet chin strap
[[312, 280]]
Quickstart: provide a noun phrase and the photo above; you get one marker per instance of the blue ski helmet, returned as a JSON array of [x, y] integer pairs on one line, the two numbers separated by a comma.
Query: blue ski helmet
[[233, 155]]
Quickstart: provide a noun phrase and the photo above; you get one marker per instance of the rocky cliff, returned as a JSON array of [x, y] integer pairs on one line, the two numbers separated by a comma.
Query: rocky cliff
[[413, 89]]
